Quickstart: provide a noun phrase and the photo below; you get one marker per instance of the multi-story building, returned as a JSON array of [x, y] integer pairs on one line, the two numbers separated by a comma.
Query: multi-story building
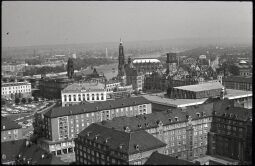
[[84, 91], [238, 82], [16, 89], [121, 92], [185, 130], [244, 68], [60, 125], [10, 130], [231, 133], [51, 87], [101, 145], [111, 85], [205, 90]]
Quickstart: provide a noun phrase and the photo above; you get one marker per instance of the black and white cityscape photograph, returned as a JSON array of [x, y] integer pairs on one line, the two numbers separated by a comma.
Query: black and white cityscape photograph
[[126, 82]]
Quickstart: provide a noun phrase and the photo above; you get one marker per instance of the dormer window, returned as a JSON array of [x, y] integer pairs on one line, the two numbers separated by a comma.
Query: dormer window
[[139, 125], [198, 114], [136, 147], [170, 120], [96, 137], [88, 133], [176, 119], [107, 140], [204, 114]]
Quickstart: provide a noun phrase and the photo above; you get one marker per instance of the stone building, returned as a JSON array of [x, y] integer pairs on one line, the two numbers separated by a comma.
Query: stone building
[[238, 82], [60, 125], [101, 145], [12, 90], [10, 131]]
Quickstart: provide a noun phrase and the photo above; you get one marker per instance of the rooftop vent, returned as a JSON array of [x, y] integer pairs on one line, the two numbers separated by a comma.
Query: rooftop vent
[[198, 114]]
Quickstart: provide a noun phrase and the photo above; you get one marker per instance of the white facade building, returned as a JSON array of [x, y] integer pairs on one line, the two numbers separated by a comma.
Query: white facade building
[[20, 89], [78, 92]]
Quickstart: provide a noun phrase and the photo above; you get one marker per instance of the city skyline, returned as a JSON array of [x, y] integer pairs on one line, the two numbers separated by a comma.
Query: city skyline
[[50, 23]]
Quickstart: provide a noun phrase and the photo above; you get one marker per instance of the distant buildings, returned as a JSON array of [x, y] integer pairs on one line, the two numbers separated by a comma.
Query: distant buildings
[[60, 125], [244, 68], [84, 91], [10, 131], [146, 65], [12, 90], [101, 145], [238, 82]]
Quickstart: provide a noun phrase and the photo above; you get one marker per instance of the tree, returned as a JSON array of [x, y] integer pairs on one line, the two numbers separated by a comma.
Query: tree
[[24, 100], [3, 101], [30, 100], [17, 100]]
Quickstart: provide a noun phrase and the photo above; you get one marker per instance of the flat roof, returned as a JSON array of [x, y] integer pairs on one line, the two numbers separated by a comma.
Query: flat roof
[[146, 60], [201, 87], [235, 94], [174, 102]]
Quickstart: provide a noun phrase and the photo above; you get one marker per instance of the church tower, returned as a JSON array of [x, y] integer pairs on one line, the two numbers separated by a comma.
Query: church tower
[[70, 68], [121, 60]]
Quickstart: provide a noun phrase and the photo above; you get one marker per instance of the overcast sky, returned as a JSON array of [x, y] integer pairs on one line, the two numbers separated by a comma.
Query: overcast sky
[[43, 23]]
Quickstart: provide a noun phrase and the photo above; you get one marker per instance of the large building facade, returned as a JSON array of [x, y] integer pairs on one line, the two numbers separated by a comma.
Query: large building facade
[[60, 125], [101, 145], [84, 91], [16, 89], [190, 133], [238, 82]]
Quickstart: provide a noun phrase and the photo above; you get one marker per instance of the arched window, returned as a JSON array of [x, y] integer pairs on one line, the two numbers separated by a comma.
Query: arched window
[[87, 96], [74, 97], [83, 96], [102, 96], [64, 97], [79, 96], [93, 97], [97, 96], [70, 98]]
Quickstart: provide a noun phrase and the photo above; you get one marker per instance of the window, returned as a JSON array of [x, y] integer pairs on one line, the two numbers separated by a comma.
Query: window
[[70, 99], [79, 96], [87, 96], [97, 96], [102, 96], [64, 97], [172, 144], [74, 97], [83, 96], [93, 97]]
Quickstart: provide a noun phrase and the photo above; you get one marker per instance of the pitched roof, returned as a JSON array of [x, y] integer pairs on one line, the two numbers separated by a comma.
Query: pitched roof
[[201, 87], [94, 107], [85, 86], [127, 141], [11, 149], [34, 152], [7, 124], [147, 121], [161, 159], [238, 79]]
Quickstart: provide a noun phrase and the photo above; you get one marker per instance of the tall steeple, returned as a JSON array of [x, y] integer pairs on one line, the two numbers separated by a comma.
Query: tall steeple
[[121, 59]]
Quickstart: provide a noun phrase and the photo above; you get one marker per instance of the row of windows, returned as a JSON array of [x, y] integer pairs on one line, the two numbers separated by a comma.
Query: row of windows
[[17, 91], [16, 87], [93, 97]]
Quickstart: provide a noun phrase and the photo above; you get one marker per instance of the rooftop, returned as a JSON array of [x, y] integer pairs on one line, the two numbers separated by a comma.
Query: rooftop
[[85, 86], [11, 149], [234, 94], [119, 140], [146, 60], [7, 124], [14, 84], [147, 121], [95, 107], [161, 159], [174, 102], [247, 79], [201, 87]]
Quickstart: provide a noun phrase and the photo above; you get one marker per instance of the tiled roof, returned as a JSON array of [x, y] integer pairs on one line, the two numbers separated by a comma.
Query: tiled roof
[[94, 107], [161, 159], [7, 124], [35, 153], [88, 86], [238, 79], [147, 121], [201, 87], [11, 149], [127, 141]]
